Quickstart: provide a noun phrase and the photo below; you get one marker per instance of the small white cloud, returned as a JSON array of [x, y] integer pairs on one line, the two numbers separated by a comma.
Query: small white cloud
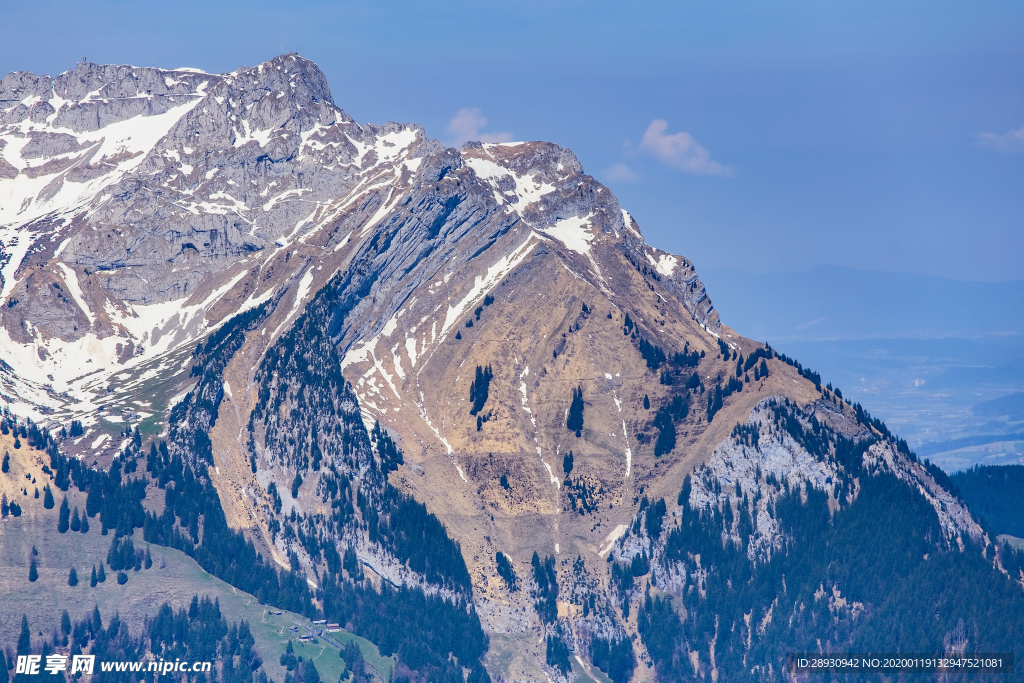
[[680, 150], [620, 173], [466, 125], [503, 136], [1007, 142]]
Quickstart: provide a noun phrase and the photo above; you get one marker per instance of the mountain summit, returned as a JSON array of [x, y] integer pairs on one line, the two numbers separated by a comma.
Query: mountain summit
[[465, 371]]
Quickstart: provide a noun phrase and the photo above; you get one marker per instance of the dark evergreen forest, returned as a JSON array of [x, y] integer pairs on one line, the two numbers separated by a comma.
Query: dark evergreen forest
[[198, 634], [434, 638], [874, 573], [996, 495]]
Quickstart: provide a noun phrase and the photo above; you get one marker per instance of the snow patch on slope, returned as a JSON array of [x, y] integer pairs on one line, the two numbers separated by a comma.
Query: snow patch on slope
[[132, 138], [484, 283], [158, 328], [526, 190], [573, 233]]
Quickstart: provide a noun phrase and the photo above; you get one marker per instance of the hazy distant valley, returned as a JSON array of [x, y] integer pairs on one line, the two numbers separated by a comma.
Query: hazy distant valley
[[940, 360]]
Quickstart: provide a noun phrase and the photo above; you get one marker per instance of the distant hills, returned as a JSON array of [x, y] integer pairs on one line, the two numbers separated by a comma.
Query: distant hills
[[1011, 406]]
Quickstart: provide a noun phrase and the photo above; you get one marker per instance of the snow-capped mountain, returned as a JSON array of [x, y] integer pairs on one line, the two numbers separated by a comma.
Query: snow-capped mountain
[[541, 368]]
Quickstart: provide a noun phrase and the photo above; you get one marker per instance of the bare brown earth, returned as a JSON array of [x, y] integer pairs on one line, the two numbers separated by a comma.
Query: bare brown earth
[[535, 337]]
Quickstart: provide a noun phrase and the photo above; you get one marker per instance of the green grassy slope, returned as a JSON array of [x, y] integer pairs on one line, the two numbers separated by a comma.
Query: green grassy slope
[[174, 578]]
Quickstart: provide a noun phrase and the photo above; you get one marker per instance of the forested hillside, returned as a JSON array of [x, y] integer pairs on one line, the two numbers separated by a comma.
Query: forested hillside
[[853, 561], [406, 621], [996, 495]]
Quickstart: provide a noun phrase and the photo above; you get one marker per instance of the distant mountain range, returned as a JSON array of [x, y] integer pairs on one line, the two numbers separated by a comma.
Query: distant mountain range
[[1011, 406]]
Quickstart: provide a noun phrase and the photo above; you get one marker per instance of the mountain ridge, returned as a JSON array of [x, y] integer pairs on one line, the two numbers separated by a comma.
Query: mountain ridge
[[365, 344]]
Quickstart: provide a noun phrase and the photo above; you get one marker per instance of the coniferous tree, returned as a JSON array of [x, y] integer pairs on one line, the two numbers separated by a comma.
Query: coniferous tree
[[505, 570], [288, 659], [547, 588], [350, 563], [647, 402], [47, 498], [93, 501], [85, 524], [309, 672], [354, 661], [25, 639], [714, 401], [76, 523], [557, 655], [33, 574], [479, 388], [73, 578], [65, 516], [102, 576], [574, 421], [6, 467], [666, 440], [614, 657], [992, 493], [684, 494], [654, 518], [567, 463], [664, 420], [92, 579]]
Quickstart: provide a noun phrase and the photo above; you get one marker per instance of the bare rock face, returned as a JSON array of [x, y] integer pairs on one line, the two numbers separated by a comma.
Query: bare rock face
[[144, 198], [494, 309]]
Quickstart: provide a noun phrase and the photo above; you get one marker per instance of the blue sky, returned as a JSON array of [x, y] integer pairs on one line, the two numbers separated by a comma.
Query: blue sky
[[772, 136]]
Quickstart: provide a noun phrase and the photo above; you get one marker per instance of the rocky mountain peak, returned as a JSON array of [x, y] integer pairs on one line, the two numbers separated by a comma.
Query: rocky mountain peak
[[303, 307]]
